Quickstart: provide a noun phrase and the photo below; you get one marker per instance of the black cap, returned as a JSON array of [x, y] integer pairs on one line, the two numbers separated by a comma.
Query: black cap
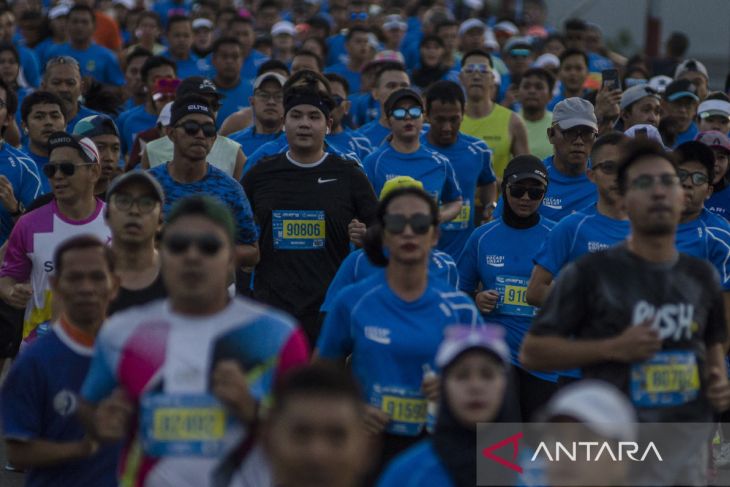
[[84, 145], [525, 167], [188, 105], [399, 95], [681, 88], [197, 85]]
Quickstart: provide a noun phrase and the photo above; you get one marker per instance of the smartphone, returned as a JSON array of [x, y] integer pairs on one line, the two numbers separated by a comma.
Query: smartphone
[[610, 79]]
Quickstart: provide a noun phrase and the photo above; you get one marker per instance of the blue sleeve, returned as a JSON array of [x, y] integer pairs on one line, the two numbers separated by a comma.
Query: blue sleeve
[[720, 255], [247, 231], [29, 65], [368, 164], [335, 339], [344, 277], [452, 270], [469, 264], [451, 191], [22, 400], [100, 379], [554, 252], [30, 182], [486, 175], [114, 74]]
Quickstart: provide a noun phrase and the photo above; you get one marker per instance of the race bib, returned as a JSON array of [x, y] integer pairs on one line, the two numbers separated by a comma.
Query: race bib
[[182, 425], [298, 229], [461, 222], [513, 297], [668, 379], [407, 409]]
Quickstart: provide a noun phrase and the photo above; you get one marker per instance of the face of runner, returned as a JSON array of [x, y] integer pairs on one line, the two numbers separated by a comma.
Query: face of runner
[[315, 441], [647, 110], [197, 259], [133, 214], [525, 197], [653, 197], [342, 108], [43, 120], [683, 111], [721, 164], [431, 54], [180, 38], [408, 129], [699, 80], [409, 247], [109, 152], [720, 123], [80, 26], [474, 385], [267, 103], [476, 77], [9, 68], [445, 119], [227, 61], [694, 194], [573, 145], [573, 72], [64, 81], [80, 183], [302, 62], [243, 32], [533, 93], [159, 72], [85, 285], [306, 127], [604, 163], [133, 76], [388, 82], [195, 146]]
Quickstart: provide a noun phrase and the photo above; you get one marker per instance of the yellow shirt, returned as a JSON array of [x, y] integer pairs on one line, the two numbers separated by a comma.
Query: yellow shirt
[[537, 139], [494, 130]]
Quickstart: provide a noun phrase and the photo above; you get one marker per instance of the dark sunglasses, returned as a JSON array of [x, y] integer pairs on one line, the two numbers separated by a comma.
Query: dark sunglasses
[[402, 113], [396, 224], [606, 167], [192, 128], [697, 178], [207, 245], [532, 193], [66, 168]]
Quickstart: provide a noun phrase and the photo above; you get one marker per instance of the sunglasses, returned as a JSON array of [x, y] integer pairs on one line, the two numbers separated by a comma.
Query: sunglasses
[[402, 113], [66, 168], [208, 245], [192, 128], [532, 193], [697, 178], [396, 224], [606, 167], [476, 68]]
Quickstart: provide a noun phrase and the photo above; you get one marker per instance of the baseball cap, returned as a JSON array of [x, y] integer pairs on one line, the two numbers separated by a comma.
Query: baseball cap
[[636, 93], [198, 85], [164, 117], [518, 46], [660, 83], [690, 65], [283, 27], [573, 112], [393, 22], [399, 182], [460, 338], [598, 405], [646, 130], [128, 4], [525, 167], [547, 60], [58, 11], [136, 176], [202, 23], [95, 125], [399, 95], [185, 106], [86, 147], [709, 108], [267, 76], [384, 56], [470, 24], [506, 27], [714, 140], [681, 88]]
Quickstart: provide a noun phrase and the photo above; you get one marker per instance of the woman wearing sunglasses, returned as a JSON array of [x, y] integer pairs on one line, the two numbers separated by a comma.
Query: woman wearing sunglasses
[[498, 257], [392, 323]]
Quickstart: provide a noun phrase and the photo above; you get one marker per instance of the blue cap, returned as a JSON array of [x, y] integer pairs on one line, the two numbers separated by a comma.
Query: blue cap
[[96, 125]]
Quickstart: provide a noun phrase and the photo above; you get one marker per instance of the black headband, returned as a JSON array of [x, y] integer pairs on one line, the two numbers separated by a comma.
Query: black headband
[[295, 99]]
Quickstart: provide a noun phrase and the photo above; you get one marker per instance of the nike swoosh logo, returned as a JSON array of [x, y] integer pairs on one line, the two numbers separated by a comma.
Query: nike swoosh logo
[[321, 181]]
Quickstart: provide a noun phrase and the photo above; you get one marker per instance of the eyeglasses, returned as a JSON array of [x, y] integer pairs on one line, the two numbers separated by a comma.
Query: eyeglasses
[[362, 16], [647, 181], [697, 178], [532, 192], [66, 168], [207, 244], [62, 60], [266, 96], [606, 167], [585, 134], [476, 68], [402, 113], [192, 128], [124, 202], [396, 224]]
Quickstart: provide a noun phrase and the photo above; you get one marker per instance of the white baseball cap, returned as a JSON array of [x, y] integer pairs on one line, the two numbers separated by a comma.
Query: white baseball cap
[[202, 23], [283, 27]]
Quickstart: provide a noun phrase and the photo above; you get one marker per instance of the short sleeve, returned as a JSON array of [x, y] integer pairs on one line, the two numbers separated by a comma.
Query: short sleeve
[[100, 380], [554, 252], [565, 309], [486, 174], [719, 255], [335, 339], [344, 277], [451, 191], [468, 264], [22, 400], [16, 263], [247, 232], [30, 182]]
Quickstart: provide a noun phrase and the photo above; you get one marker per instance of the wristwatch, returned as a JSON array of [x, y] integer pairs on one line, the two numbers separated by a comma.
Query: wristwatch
[[19, 210]]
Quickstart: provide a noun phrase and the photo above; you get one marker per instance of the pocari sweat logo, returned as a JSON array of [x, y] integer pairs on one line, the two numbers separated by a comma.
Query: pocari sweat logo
[[378, 335], [495, 260], [553, 202]]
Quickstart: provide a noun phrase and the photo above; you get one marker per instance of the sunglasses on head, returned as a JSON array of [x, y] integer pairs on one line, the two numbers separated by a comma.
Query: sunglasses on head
[[532, 192], [192, 128], [66, 168], [402, 113], [396, 224], [207, 245]]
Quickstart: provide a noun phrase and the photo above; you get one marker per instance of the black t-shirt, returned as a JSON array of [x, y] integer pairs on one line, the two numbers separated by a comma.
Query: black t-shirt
[[602, 294], [303, 213], [128, 297]]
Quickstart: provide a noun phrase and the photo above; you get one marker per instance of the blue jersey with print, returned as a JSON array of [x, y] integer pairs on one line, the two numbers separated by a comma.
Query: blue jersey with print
[[375, 132], [425, 165], [351, 141], [281, 144], [719, 203], [250, 140], [687, 135], [39, 399], [566, 194], [352, 77], [357, 267], [96, 61], [500, 258], [22, 93], [578, 234], [22, 173], [132, 122], [40, 162], [251, 64], [472, 162], [218, 184], [419, 465], [235, 98], [166, 8], [391, 339], [707, 237]]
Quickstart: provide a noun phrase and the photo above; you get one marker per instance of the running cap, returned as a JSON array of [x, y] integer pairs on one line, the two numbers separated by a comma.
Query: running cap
[[645, 130], [547, 60], [660, 83], [198, 85], [394, 22], [709, 108], [470, 24], [681, 88], [206, 206], [399, 182], [188, 106], [95, 125], [267, 76], [84, 145], [140, 176], [460, 338], [399, 95], [202, 23], [690, 66], [714, 140], [573, 112], [283, 27], [525, 167], [636, 93]]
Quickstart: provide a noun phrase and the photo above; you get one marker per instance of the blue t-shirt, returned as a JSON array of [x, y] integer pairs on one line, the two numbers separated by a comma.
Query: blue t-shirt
[[719, 203], [38, 401], [500, 258], [391, 340], [281, 144], [472, 162], [687, 135], [250, 140], [336, 52], [22, 93], [251, 65], [566, 194], [352, 77], [364, 108], [415, 467], [166, 7], [579, 234], [96, 61], [707, 237], [82, 113], [192, 66], [21, 171], [234, 99], [357, 267], [598, 63], [218, 184], [375, 132], [42, 48], [40, 162], [30, 66], [132, 122], [425, 165], [351, 141]]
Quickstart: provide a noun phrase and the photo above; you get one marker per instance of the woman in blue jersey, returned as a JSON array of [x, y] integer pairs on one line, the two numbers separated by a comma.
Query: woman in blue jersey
[[392, 323], [498, 258], [475, 364]]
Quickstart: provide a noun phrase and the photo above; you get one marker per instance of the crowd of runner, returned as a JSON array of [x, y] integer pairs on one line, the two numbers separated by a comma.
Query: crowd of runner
[[316, 242]]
